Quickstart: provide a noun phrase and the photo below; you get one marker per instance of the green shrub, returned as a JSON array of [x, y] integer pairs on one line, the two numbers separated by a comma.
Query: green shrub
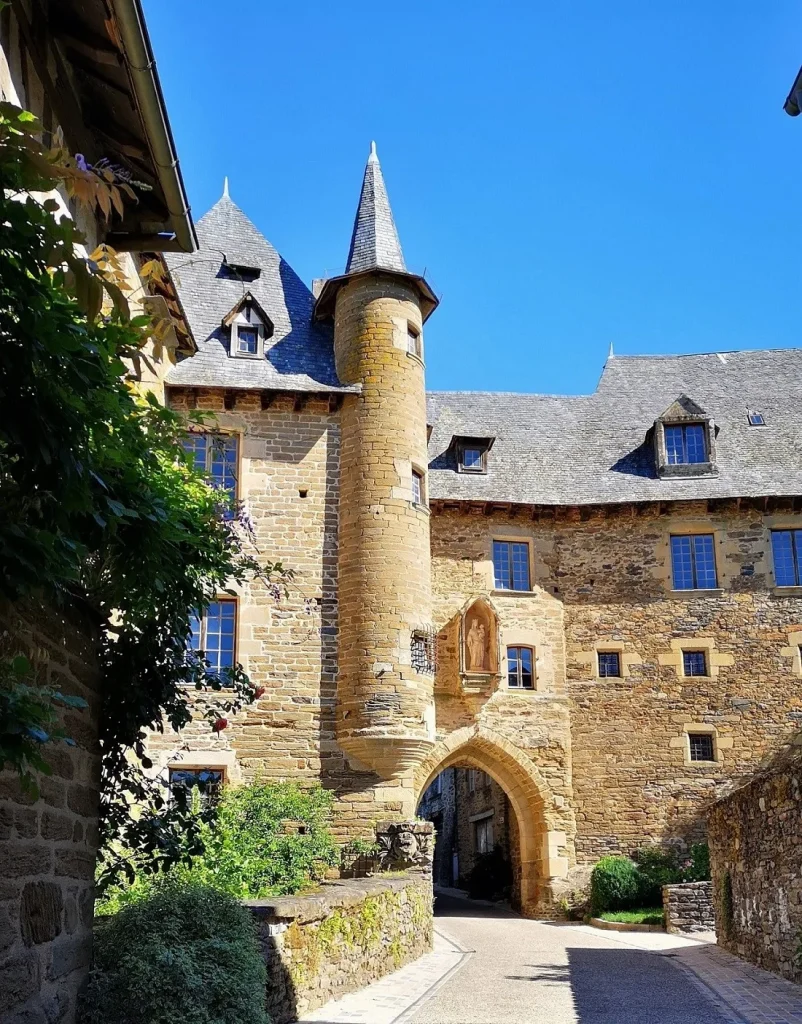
[[614, 885], [698, 869], [185, 953], [656, 867], [265, 839], [490, 878]]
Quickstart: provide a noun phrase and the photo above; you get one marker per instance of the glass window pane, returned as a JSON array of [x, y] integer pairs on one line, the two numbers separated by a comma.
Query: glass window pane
[[782, 546], [195, 444], [247, 338], [609, 663], [501, 565], [220, 617], [195, 639], [701, 745], [694, 663], [417, 488], [674, 448], [682, 563], [512, 666], [472, 458], [520, 566], [704, 562], [527, 674], [695, 443]]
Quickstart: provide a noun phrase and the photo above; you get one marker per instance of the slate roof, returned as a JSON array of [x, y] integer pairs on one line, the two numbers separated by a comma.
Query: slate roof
[[300, 354], [374, 241], [592, 449]]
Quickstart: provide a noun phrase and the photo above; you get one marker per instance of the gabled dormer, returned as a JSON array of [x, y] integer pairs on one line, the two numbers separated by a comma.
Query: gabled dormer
[[249, 326], [684, 440]]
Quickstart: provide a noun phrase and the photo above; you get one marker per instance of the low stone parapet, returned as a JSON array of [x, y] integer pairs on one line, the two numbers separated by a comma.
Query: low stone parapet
[[341, 938], [688, 907]]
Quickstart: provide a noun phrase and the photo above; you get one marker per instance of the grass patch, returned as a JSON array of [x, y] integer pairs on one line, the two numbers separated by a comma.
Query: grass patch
[[640, 915]]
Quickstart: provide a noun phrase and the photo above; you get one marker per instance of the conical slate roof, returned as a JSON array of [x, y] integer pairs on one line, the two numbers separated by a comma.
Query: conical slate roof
[[374, 242], [300, 354]]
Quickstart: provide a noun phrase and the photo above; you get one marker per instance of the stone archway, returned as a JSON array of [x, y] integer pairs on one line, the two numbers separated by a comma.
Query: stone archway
[[545, 851]]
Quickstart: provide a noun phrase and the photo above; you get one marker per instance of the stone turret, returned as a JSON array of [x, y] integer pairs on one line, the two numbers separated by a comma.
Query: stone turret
[[385, 712]]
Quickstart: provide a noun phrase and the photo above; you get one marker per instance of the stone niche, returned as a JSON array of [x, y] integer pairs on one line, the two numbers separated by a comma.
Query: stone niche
[[479, 654]]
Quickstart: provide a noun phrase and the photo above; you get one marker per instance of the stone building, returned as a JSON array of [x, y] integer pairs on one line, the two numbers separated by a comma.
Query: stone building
[[595, 600]]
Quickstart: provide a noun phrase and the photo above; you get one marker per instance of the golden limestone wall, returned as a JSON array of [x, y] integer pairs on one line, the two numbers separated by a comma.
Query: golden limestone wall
[[603, 583], [385, 714], [288, 646]]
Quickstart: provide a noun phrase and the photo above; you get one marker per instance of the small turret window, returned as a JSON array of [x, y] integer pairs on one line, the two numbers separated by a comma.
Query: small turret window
[[418, 490], [413, 341]]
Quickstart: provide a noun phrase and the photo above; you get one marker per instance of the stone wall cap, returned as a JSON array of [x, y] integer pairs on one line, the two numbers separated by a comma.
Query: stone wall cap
[[346, 892]]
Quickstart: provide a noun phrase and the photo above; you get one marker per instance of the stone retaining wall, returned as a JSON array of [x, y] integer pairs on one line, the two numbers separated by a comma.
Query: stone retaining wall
[[340, 939], [48, 845], [688, 907], [755, 837]]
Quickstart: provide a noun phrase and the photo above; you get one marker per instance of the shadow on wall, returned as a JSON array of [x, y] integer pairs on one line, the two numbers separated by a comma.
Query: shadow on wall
[[626, 986]]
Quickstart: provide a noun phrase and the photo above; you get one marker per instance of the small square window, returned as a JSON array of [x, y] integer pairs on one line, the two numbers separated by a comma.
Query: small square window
[[472, 460], [609, 663], [756, 419], [417, 487], [247, 340], [511, 565], [694, 663], [702, 747], [413, 341]]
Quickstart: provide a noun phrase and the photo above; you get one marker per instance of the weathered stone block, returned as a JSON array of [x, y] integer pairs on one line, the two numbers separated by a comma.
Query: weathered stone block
[[40, 912]]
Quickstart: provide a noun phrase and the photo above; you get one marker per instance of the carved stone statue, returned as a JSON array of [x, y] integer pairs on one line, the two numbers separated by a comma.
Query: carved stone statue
[[405, 845], [477, 647]]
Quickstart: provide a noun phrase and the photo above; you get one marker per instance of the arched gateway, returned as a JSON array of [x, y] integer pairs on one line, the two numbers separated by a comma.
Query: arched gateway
[[546, 853]]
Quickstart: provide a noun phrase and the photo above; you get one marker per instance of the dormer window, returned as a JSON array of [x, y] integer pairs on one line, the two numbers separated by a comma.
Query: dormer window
[[685, 443], [684, 440], [471, 453], [249, 327], [247, 339]]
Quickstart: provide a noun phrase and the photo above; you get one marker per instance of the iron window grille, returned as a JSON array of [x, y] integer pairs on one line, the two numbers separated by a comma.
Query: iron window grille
[[511, 565], [609, 663], [214, 634], [216, 456], [207, 781], [520, 668], [686, 444], [786, 547], [423, 651], [701, 746], [694, 663], [693, 562]]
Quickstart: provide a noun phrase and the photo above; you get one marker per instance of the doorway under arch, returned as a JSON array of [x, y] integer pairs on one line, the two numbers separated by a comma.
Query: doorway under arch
[[545, 851]]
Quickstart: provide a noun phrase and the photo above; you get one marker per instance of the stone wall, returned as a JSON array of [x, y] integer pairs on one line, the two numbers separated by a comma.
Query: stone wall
[[688, 907], [755, 837], [48, 845]]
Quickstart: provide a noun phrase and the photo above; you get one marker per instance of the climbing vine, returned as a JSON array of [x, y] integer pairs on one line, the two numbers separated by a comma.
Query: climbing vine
[[101, 509]]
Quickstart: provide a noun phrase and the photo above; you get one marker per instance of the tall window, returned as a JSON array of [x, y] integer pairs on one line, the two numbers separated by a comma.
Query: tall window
[[693, 562], [214, 633], [215, 455], [208, 782], [417, 487], [413, 341], [484, 835], [685, 444], [511, 565], [786, 546], [609, 663], [520, 668]]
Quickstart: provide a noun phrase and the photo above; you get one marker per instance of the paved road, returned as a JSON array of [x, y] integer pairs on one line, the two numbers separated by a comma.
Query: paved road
[[523, 972]]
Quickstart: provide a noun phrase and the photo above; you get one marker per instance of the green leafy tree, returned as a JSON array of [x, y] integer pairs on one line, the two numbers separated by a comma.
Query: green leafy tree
[[100, 506]]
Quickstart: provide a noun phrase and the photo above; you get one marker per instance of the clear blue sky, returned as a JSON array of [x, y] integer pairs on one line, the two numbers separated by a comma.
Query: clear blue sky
[[568, 173]]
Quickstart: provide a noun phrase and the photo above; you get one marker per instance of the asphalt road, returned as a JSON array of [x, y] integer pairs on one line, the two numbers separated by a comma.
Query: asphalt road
[[524, 972]]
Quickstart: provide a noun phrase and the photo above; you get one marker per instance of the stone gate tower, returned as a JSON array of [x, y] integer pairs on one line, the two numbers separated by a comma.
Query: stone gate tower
[[385, 704]]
